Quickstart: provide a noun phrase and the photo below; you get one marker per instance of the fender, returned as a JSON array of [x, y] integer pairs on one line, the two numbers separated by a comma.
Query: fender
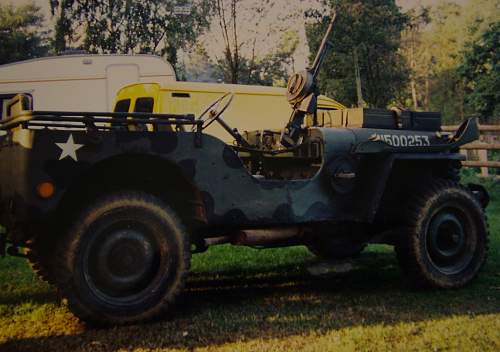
[[435, 141], [378, 171]]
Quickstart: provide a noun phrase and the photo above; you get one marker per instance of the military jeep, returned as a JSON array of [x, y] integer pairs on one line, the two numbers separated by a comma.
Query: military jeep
[[110, 206]]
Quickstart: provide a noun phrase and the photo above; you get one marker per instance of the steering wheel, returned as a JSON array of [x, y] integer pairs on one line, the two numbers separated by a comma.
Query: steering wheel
[[215, 110]]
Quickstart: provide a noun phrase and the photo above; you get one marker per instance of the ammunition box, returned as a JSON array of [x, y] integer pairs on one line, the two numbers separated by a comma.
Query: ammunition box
[[380, 118], [426, 121]]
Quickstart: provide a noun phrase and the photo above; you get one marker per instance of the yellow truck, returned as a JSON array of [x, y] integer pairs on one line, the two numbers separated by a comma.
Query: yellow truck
[[252, 107]]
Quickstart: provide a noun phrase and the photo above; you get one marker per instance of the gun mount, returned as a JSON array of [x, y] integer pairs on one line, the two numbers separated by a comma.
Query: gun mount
[[302, 91]]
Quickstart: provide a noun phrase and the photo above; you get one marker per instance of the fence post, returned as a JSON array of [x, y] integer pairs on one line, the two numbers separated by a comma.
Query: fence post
[[483, 156], [478, 151]]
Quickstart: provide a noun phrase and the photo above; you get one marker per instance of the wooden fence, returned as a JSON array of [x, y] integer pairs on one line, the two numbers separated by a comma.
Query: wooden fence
[[477, 152]]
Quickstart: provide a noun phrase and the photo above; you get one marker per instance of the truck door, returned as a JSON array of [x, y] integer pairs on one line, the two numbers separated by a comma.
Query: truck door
[[118, 76]]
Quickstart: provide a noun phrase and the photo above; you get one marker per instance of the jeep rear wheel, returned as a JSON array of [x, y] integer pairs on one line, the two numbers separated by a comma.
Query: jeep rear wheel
[[446, 239], [124, 261]]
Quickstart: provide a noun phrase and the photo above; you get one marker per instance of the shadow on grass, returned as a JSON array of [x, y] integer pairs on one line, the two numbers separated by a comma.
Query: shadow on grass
[[18, 297], [228, 306]]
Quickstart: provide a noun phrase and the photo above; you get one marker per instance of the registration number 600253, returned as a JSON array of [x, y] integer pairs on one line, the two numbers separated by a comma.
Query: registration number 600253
[[403, 140]]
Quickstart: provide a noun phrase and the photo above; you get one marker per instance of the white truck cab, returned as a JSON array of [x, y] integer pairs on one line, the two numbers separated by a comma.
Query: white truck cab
[[79, 82]]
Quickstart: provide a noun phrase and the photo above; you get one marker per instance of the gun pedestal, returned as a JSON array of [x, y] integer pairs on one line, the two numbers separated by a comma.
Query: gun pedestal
[[302, 92]]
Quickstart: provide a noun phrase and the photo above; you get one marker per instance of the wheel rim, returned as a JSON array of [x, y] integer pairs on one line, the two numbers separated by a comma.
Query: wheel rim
[[450, 240], [121, 262]]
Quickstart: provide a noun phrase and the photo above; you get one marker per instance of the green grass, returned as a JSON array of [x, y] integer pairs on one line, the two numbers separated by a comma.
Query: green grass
[[242, 299]]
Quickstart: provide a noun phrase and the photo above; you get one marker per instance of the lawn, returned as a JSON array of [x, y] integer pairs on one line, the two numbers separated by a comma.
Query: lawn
[[243, 299]]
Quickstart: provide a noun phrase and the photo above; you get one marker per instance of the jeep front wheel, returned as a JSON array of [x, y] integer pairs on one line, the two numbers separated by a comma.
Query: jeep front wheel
[[124, 261], [446, 239]]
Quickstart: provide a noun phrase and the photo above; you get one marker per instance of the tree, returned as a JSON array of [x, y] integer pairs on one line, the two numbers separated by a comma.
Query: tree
[[199, 67], [270, 70], [481, 71], [244, 26], [227, 20], [417, 55], [125, 26], [444, 90], [438, 45], [19, 36], [366, 38], [273, 68]]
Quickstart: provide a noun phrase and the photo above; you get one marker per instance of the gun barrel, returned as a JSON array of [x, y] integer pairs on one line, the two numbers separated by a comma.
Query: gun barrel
[[320, 56]]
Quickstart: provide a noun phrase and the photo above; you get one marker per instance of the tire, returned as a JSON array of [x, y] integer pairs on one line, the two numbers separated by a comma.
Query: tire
[[124, 261], [40, 257], [445, 243]]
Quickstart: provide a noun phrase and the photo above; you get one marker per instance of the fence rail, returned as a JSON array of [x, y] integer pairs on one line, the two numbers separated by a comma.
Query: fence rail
[[477, 152], [482, 128]]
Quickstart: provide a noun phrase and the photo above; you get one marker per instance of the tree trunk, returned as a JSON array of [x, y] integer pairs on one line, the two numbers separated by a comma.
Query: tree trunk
[[172, 55], [414, 93], [234, 75], [62, 29], [359, 91], [427, 93]]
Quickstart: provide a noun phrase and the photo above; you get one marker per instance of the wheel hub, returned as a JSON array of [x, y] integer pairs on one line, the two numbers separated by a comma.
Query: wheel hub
[[447, 235], [447, 241], [122, 262]]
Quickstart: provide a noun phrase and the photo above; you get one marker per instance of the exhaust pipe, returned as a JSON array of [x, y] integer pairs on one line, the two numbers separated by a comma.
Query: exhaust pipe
[[267, 236], [260, 237]]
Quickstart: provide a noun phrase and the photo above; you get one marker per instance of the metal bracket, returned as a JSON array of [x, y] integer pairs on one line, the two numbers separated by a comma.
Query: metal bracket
[[89, 123], [198, 135]]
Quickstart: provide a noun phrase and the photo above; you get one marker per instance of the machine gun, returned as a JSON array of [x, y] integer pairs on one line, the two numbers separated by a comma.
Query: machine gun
[[302, 92]]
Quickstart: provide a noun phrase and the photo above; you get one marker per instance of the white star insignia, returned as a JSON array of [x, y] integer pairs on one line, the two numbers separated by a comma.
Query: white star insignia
[[69, 148]]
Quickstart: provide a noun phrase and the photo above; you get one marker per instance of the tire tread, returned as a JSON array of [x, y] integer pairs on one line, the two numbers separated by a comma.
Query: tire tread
[[407, 247], [64, 256]]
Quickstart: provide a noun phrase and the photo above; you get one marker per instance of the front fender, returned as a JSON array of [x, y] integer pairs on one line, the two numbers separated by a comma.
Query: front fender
[[438, 142]]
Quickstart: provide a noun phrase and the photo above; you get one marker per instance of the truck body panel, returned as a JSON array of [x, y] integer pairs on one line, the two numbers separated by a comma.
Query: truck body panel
[[87, 82], [245, 113]]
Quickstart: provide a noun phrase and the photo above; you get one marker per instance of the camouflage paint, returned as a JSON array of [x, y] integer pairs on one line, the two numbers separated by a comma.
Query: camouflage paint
[[231, 195]]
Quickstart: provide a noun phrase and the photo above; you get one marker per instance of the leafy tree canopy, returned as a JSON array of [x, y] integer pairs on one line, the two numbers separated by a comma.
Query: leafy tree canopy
[[434, 50], [481, 71], [369, 30], [244, 28], [269, 70], [125, 26], [19, 36]]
